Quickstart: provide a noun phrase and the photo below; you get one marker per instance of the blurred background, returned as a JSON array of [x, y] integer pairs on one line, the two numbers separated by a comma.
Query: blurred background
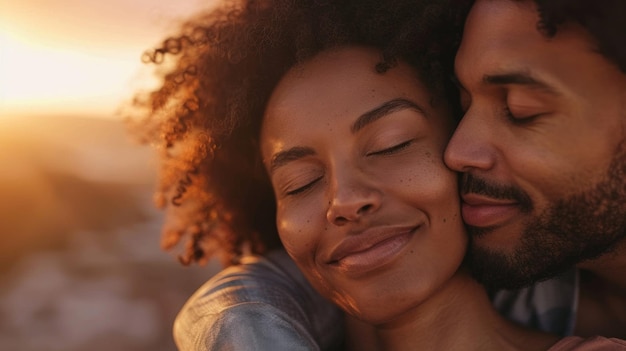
[[80, 263]]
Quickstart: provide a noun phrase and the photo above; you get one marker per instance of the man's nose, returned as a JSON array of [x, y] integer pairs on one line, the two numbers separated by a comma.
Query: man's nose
[[352, 196], [472, 144]]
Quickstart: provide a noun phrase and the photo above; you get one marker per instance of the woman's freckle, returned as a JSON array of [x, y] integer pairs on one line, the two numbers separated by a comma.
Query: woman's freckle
[[444, 220]]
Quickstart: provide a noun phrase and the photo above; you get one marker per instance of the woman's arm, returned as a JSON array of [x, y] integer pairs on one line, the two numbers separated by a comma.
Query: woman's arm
[[263, 304]]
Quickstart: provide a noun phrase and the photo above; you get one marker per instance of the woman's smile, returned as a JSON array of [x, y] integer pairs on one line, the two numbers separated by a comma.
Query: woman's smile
[[371, 249]]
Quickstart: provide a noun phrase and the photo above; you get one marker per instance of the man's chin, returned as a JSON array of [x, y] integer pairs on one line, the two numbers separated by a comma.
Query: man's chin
[[516, 265], [501, 239], [498, 259], [496, 270]]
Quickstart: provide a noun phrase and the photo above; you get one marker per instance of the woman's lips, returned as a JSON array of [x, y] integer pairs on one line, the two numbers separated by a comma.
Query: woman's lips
[[371, 249]]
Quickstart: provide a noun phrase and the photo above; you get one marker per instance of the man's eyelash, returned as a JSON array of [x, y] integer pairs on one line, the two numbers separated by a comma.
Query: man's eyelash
[[515, 119]]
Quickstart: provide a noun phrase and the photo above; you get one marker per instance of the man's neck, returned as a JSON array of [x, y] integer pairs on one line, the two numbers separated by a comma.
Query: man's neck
[[610, 269], [602, 304]]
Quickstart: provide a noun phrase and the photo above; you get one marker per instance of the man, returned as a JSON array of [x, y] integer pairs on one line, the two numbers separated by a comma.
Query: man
[[542, 149], [542, 153]]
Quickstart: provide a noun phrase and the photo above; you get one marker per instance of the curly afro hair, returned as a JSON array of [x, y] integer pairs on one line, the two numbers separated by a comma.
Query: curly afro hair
[[217, 74]]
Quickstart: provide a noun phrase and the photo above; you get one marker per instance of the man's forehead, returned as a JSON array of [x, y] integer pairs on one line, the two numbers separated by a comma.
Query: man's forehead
[[498, 41], [502, 36], [500, 23]]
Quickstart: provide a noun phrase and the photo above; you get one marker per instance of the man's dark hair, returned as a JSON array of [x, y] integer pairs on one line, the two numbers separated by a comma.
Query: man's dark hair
[[605, 20]]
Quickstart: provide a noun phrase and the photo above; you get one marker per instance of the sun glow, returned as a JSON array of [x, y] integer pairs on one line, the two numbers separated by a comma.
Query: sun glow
[[79, 57], [39, 79]]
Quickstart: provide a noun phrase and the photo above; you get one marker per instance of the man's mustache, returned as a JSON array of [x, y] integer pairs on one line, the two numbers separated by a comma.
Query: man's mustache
[[471, 184]]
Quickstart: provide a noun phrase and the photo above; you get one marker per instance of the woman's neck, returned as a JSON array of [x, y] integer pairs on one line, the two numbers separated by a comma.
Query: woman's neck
[[458, 317]]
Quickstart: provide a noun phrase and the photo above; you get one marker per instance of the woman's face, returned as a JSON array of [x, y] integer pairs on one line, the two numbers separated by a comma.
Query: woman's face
[[365, 205]]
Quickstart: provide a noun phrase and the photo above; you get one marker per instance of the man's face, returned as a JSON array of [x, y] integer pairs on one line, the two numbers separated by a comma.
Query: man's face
[[541, 146]]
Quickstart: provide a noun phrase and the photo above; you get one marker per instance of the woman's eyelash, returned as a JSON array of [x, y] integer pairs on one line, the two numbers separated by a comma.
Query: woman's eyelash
[[303, 188], [386, 151], [392, 149]]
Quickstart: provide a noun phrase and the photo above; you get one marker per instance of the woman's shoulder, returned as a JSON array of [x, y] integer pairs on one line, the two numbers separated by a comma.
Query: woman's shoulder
[[596, 343], [264, 301]]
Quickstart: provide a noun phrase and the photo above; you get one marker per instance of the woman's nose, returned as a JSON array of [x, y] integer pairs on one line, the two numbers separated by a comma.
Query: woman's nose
[[351, 199]]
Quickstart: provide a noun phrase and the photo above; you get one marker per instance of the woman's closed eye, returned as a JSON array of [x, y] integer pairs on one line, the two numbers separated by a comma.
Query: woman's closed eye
[[392, 150], [302, 188]]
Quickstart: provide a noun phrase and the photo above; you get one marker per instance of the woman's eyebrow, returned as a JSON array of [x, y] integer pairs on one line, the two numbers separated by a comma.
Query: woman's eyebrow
[[283, 157], [383, 110], [286, 156]]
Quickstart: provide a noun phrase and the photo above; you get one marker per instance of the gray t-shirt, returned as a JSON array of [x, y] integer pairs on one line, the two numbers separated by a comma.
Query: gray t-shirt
[[266, 304]]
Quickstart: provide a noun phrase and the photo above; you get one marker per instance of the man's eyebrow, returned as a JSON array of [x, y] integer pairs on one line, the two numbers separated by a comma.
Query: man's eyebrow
[[283, 157], [518, 78], [386, 108]]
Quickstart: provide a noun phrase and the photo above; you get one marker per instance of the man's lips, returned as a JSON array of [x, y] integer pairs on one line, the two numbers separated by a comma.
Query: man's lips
[[482, 211], [370, 249]]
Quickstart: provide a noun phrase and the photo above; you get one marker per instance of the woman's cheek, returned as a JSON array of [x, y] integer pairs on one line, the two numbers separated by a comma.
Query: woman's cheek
[[295, 230]]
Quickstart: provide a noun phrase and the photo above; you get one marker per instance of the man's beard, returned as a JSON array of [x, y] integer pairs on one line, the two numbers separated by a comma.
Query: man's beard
[[579, 227]]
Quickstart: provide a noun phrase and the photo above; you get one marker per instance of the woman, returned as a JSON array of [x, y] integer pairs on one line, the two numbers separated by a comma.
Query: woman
[[367, 209], [328, 119]]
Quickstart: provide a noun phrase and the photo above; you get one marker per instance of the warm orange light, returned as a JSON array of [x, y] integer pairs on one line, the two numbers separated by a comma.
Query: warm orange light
[[39, 79], [78, 57]]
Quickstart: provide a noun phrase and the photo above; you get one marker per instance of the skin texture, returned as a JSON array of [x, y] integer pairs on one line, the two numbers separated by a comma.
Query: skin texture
[[370, 213], [541, 146], [378, 186]]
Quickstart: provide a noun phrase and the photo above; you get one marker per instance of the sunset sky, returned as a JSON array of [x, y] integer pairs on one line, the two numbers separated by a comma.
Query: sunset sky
[[78, 57]]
